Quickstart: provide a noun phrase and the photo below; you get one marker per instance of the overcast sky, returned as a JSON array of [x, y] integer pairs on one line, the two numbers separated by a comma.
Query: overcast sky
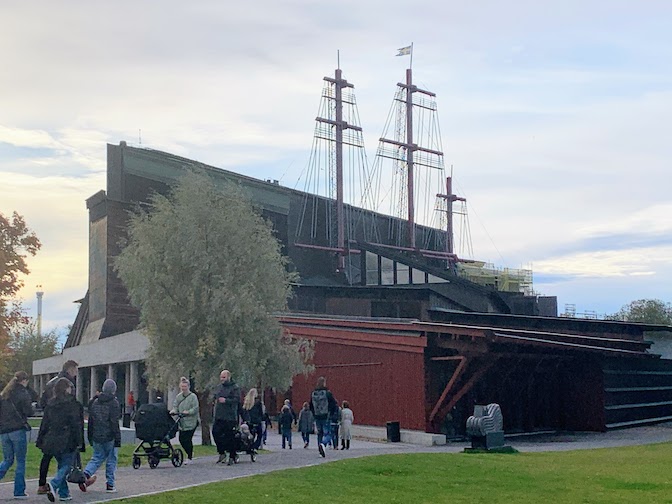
[[555, 116]]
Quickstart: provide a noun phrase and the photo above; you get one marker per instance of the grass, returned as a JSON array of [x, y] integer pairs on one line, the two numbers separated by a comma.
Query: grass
[[125, 455], [639, 474]]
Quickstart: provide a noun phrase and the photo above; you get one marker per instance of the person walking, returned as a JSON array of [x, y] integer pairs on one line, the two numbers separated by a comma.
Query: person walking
[[285, 422], [68, 371], [322, 403], [347, 419], [227, 404], [306, 424], [335, 421], [16, 408], [186, 404], [104, 436], [253, 415], [61, 435]]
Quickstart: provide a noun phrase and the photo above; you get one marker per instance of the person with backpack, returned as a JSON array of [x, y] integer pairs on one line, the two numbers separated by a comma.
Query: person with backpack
[[104, 435], [322, 405], [186, 404], [15, 409], [69, 371], [61, 436]]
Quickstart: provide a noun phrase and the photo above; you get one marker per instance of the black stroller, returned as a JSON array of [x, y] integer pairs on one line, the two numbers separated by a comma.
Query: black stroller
[[244, 442], [155, 427]]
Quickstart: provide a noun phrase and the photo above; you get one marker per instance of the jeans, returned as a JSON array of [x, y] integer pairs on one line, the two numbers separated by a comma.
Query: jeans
[[306, 437], [287, 435], [334, 435], [323, 431], [60, 482], [103, 452], [224, 433], [15, 444]]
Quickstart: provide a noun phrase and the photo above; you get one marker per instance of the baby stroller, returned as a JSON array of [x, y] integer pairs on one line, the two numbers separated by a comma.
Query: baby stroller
[[244, 442], [155, 427]]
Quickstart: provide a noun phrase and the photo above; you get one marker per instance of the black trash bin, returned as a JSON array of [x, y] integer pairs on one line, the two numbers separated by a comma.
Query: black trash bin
[[126, 422], [393, 432]]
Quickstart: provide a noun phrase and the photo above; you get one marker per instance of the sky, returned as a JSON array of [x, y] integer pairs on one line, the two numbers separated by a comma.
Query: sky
[[554, 115]]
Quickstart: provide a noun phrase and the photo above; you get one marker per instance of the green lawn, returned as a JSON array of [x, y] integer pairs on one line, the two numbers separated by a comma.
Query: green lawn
[[641, 474], [125, 455]]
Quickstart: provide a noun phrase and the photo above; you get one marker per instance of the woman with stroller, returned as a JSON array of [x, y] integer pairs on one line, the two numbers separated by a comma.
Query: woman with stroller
[[253, 415], [61, 435], [16, 409], [306, 424], [186, 404]]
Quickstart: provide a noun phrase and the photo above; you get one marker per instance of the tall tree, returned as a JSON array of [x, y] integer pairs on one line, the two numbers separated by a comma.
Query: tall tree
[[26, 345], [16, 243], [207, 274], [649, 311]]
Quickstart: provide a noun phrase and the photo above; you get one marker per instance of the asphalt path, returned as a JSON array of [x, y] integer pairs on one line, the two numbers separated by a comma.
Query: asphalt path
[[146, 481]]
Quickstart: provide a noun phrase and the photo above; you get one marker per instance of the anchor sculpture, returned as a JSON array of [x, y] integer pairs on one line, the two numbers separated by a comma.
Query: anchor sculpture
[[486, 427]]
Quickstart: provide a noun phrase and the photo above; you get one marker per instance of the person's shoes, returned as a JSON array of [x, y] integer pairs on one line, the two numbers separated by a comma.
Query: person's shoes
[[229, 461], [21, 497], [305, 445], [290, 446], [43, 490], [222, 458], [110, 488], [320, 448], [66, 498], [51, 492], [90, 480]]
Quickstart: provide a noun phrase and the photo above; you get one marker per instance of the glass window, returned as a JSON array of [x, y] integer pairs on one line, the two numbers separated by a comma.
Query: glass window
[[402, 274], [386, 271], [371, 269], [435, 279], [418, 276]]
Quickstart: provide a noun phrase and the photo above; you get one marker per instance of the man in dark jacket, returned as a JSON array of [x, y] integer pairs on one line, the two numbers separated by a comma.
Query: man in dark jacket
[[227, 408], [322, 404], [68, 371], [104, 435], [61, 435]]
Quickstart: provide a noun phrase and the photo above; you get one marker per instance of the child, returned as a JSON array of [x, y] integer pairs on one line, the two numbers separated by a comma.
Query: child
[[285, 422], [306, 424], [347, 419], [334, 420]]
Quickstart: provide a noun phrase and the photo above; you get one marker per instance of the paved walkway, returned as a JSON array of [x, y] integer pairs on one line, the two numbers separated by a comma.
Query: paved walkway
[[144, 481]]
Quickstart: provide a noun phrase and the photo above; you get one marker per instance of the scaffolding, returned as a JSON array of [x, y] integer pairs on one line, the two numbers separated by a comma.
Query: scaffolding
[[501, 279]]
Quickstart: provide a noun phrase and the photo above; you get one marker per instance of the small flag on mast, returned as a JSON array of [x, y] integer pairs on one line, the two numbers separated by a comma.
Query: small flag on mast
[[404, 51]]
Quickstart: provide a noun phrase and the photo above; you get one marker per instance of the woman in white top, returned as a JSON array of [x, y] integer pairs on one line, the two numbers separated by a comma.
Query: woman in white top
[[347, 419]]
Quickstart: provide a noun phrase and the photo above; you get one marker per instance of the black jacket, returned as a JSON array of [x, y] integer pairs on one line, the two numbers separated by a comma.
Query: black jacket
[[62, 427], [228, 410], [14, 411], [255, 415], [104, 416], [49, 388], [285, 420]]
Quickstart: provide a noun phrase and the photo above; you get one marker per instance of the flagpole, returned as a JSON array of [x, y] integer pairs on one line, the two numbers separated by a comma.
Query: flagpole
[[411, 65]]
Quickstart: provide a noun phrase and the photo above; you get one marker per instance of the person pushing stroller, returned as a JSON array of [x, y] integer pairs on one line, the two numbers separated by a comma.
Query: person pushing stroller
[[227, 407]]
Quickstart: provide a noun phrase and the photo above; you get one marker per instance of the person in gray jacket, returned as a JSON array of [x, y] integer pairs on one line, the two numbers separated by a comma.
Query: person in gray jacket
[[104, 435], [227, 409], [306, 424], [186, 404]]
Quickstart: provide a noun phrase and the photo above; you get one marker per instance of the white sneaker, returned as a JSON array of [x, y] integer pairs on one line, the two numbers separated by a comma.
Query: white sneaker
[[186, 462], [320, 448]]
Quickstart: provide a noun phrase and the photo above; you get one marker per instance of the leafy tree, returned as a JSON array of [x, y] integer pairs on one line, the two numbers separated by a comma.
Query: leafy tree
[[26, 346], [207, 274], [649, 311], [16, 243]]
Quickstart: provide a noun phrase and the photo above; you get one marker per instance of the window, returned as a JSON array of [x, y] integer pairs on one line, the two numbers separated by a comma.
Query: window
[[386, 271]]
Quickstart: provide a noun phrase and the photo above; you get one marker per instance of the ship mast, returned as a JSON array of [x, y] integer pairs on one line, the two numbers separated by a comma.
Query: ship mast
[[411, 148]]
